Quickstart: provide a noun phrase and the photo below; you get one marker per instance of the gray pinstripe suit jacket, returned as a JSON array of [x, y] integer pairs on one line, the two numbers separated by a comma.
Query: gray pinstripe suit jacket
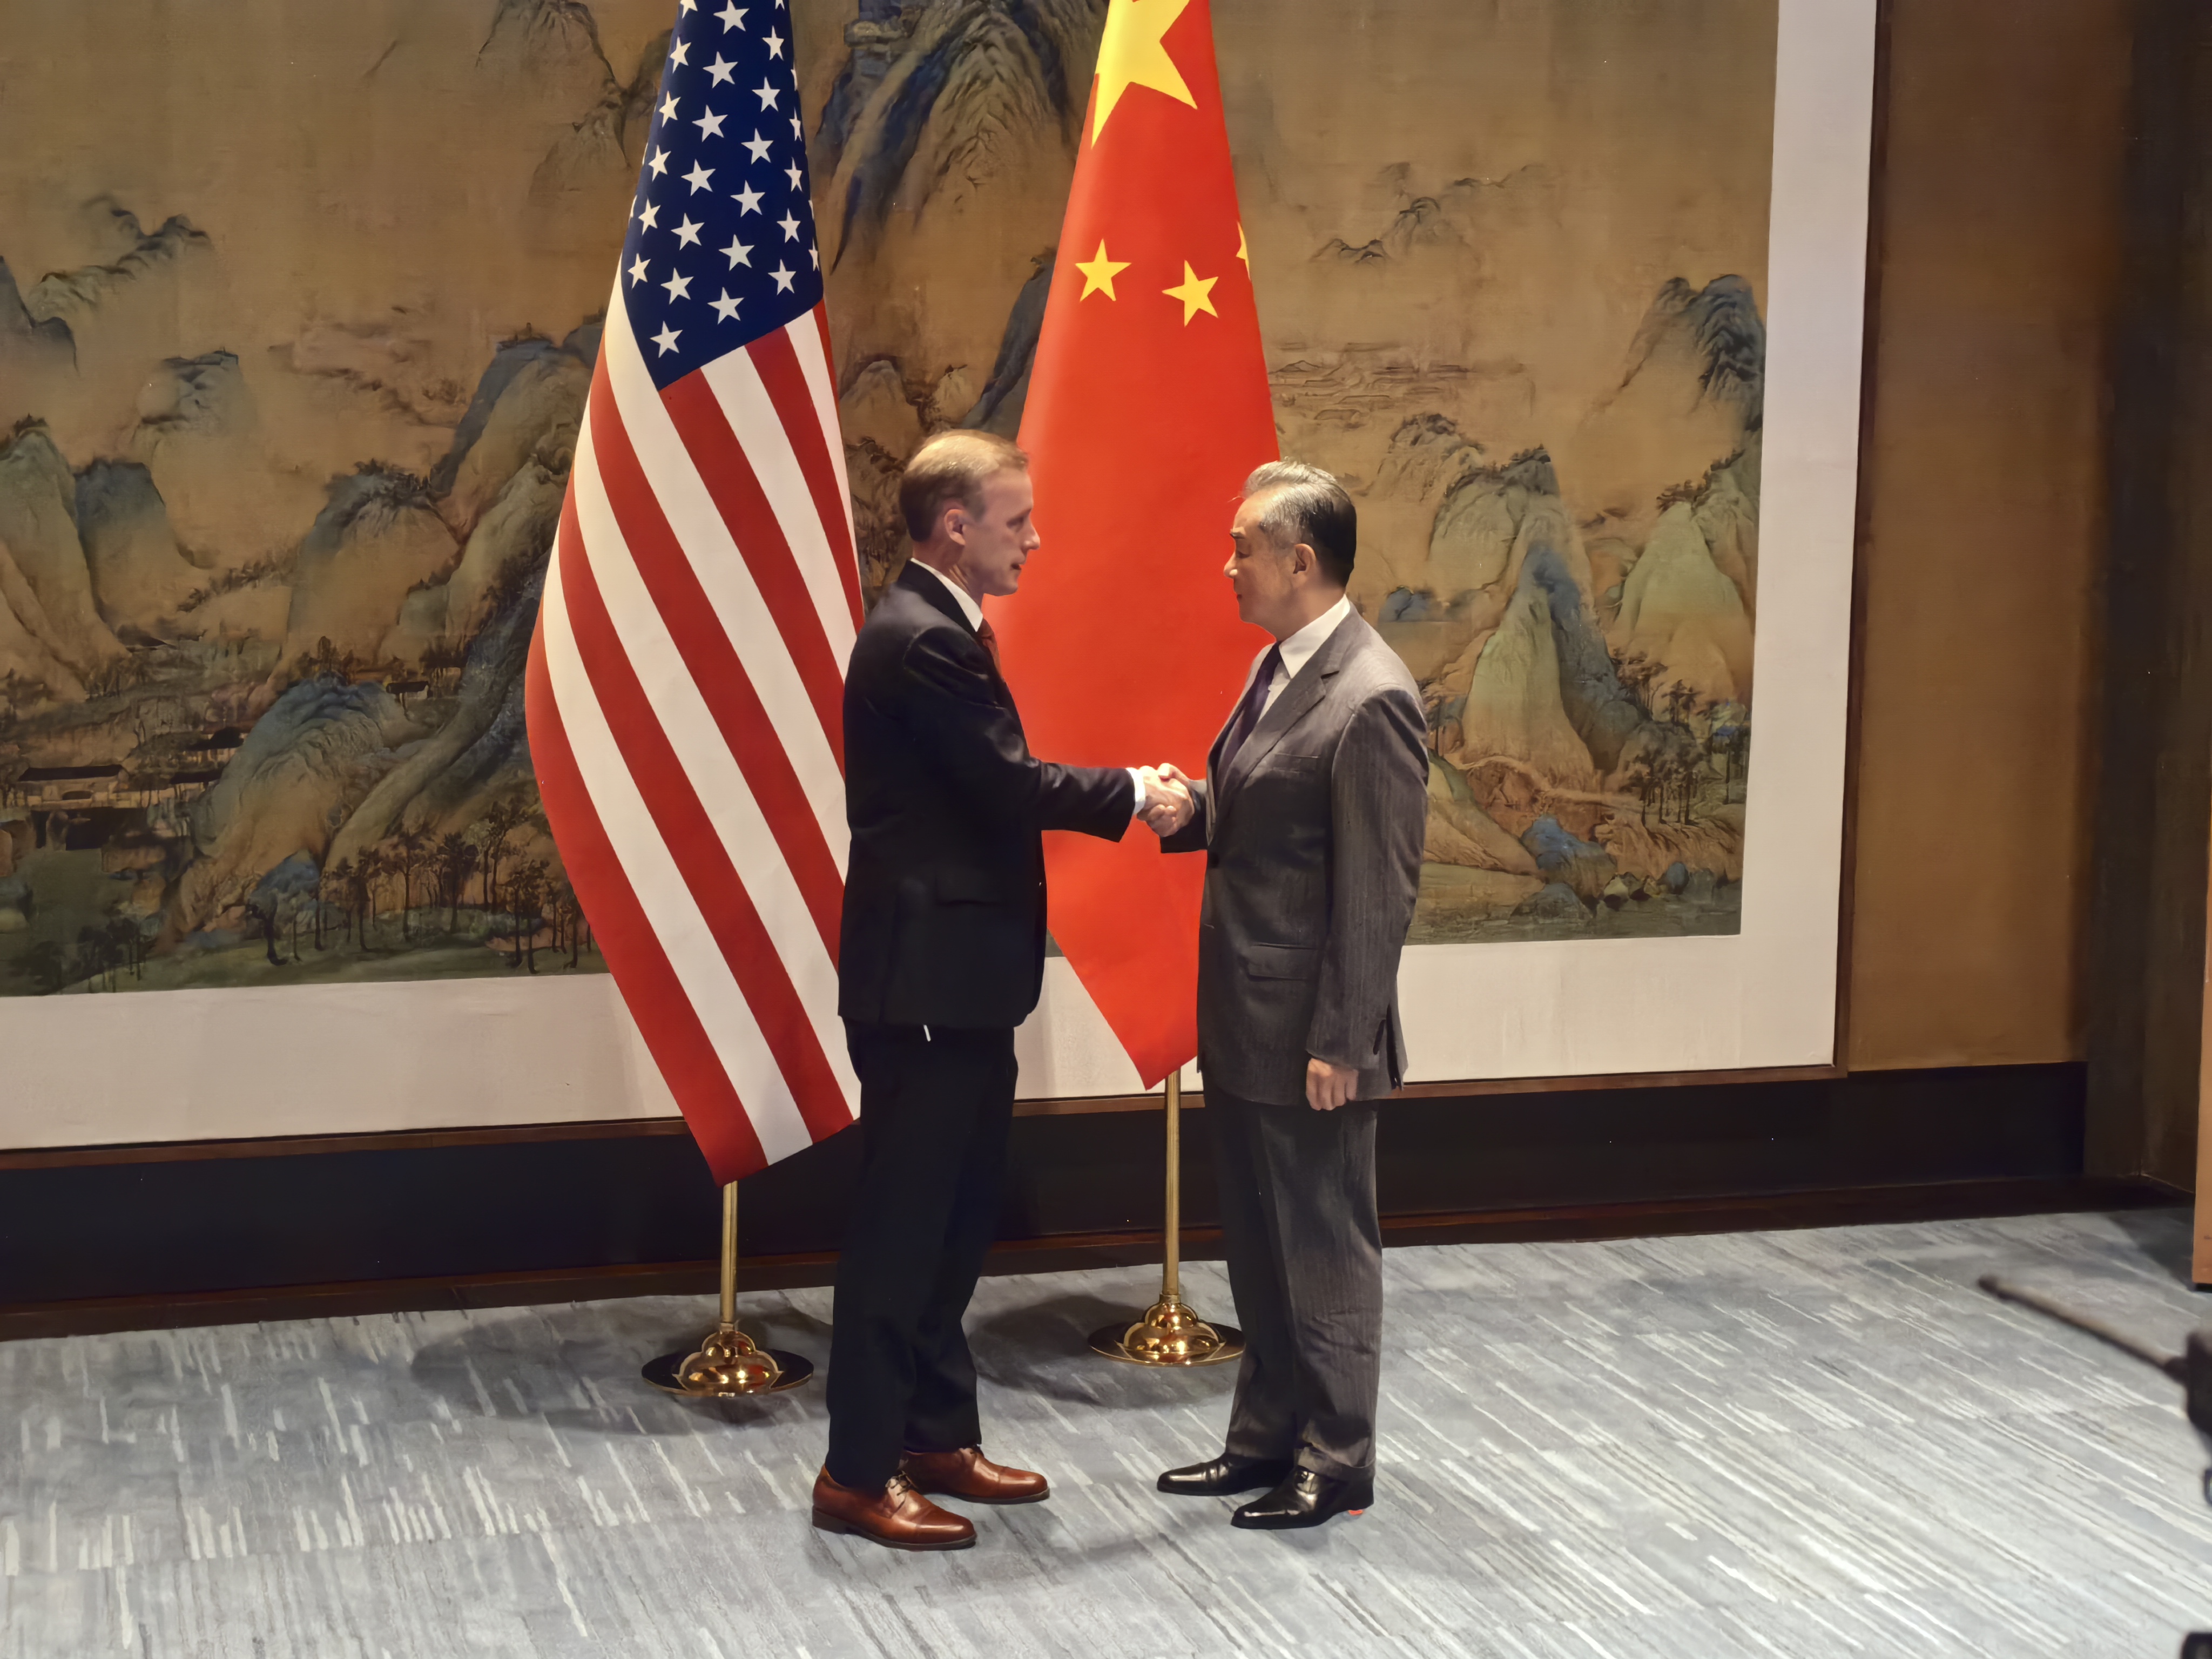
[[1313, 846]]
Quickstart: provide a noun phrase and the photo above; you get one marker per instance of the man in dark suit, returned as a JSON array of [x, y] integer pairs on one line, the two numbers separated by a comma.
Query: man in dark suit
[[942, 956], [1311, 819]]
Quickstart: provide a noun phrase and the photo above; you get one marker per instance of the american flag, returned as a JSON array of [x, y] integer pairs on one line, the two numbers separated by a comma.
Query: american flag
[[686, 680]]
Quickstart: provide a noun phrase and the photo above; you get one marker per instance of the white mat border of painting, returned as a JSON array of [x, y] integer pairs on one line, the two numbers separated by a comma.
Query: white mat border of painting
[[255, 1062]]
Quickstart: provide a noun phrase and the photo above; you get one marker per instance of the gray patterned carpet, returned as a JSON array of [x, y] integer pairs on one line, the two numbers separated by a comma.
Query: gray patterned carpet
[[1803, 1443]]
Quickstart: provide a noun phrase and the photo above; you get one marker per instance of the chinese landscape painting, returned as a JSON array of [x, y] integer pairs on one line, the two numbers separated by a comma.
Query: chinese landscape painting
[[288, 424]]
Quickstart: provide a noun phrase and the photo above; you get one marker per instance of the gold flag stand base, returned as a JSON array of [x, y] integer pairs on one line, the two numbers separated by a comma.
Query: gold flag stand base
[[726, 1365], [1171, 1333]]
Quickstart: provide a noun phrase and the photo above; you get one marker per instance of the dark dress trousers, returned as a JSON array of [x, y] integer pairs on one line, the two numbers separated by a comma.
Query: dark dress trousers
[[942, 955], [1313, 842]]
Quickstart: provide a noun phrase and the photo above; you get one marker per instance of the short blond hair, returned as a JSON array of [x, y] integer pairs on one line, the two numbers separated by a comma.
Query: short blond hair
[[951, 468]]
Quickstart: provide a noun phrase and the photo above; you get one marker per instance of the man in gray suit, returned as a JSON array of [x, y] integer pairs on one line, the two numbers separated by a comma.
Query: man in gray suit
[[1311, 819]]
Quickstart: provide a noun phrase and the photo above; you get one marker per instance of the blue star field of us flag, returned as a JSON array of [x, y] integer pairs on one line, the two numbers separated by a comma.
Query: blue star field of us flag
[[721, 246]]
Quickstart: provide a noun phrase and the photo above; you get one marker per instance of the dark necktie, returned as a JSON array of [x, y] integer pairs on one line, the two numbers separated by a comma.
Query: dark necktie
[[990, 643], [1249, 708]]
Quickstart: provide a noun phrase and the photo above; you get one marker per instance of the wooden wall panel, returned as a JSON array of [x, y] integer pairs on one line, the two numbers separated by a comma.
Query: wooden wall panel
[[2201, 1253], [1998, 226], [2155, 785]]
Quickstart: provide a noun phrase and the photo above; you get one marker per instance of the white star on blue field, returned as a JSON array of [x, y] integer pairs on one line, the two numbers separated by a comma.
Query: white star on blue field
[[721, 246]]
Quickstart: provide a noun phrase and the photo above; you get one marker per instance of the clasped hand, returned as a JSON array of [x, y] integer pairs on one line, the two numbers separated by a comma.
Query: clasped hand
[[1168, 804]]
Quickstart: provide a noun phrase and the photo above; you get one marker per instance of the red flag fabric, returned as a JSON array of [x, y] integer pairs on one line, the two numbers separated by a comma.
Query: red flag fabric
[[1147, 407], [686, 687]]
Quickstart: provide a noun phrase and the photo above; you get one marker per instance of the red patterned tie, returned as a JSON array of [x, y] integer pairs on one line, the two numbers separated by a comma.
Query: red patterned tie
[[990, 642]]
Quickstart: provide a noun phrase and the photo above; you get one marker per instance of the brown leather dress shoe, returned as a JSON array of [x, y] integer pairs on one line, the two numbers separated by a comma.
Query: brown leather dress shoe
[[898, 1518], [966, 1473]]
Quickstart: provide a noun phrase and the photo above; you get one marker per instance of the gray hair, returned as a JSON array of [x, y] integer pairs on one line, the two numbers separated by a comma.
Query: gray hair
[[1308, 505]]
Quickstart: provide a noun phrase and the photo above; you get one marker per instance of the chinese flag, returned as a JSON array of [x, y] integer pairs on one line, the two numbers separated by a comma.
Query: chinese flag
[[1147, 406]]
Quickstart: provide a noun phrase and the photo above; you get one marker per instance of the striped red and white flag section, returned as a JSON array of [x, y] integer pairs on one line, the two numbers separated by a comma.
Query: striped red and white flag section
[[685, 706], [686, 680]]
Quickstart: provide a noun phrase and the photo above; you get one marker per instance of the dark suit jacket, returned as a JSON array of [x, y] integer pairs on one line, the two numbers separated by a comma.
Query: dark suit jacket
[[1313, 844], [944, 920]]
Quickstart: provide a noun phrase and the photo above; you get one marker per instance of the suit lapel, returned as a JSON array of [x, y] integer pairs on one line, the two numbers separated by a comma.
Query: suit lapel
[[1217, 793], [1296, 700], [1213, 752], [925, 587]]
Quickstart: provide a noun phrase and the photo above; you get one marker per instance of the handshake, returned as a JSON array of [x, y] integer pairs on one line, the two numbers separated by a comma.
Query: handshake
[[1168, 804]]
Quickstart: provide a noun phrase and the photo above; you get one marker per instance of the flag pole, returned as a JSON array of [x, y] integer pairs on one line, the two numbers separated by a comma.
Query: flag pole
[[727, 1363], [1171, 1333]]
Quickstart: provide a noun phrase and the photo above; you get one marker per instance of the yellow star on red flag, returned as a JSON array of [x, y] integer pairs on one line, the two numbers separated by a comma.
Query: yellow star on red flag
[[1130, 55], [1098, 273], [1196, 292]]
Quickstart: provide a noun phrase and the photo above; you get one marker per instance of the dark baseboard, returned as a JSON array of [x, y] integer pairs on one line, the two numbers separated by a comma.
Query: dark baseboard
[[1852, 1207], [369, 1224]]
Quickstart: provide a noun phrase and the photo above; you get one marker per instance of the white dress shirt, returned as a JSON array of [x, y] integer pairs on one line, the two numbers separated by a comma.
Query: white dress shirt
[[1297, 650], [974, 613]]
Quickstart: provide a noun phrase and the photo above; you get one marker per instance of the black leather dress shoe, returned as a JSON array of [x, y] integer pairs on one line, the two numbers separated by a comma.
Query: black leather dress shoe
[[1225, 1474], [1306, 1499]]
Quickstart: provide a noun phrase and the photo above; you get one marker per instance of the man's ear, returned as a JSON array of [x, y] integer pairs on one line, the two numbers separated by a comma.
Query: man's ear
[[954, 524], [1304, 558]]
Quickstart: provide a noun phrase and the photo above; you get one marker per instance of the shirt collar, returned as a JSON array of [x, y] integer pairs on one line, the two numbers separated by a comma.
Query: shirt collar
[[1298, 649], [969, 608]]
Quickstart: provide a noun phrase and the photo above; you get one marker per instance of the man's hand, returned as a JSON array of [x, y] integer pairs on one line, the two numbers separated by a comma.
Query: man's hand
[[1168, 804], [1174, 778], [1327, 1087]]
